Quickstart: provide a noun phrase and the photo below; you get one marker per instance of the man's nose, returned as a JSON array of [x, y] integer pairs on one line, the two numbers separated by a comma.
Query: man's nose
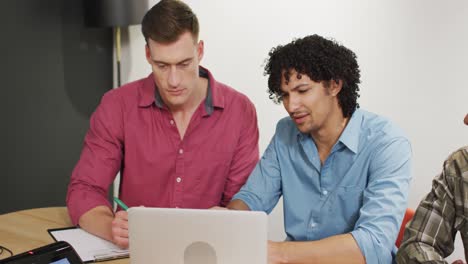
[[293, 103], [175, 77]]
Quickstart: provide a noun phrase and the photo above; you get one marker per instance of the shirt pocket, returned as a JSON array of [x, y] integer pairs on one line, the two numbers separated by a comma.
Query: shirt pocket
[[346, 206]]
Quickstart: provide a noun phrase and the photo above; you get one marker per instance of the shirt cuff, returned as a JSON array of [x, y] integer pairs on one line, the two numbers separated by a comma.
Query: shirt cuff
[[371, 248], [248, 200], [77, 206]]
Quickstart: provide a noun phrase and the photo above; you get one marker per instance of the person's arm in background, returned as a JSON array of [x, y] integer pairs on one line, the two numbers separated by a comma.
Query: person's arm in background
[[87, 197], [376, 230], [431, 233], [246, 153]]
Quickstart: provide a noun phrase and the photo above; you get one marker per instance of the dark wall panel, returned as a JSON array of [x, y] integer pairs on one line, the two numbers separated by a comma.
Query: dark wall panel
[[53, 72]]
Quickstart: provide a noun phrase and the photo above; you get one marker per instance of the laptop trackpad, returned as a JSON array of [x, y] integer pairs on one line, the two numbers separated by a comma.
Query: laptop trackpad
[[200, 253]]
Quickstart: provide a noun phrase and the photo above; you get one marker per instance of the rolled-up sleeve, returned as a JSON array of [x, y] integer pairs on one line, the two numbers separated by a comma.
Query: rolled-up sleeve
[[99, 161], [263, 188], [384, 202]]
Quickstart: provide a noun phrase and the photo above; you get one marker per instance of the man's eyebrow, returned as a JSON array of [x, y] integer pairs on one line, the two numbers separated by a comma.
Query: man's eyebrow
[[180, 62], [296, 87], [300, 86]]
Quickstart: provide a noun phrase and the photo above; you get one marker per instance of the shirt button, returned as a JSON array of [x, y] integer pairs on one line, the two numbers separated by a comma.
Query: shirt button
[[313, 224], [181, 151], [172, 122], [325, 192], [178, 179]]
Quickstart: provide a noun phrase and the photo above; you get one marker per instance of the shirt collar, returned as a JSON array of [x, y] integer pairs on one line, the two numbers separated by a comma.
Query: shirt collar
[[214, 97], [350, 135], [146, 92]]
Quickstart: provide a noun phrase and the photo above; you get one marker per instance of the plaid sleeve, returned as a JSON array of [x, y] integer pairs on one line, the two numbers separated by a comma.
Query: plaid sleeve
[[429, 237]]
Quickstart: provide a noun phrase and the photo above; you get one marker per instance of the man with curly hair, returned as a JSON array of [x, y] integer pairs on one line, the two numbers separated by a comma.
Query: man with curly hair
[[343, 172]]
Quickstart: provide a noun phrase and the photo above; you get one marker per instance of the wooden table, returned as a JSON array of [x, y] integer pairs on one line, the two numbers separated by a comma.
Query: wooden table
[[24, 230]]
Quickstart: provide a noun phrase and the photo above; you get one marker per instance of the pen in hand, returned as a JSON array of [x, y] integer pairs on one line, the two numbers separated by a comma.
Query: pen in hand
[[121, 204]]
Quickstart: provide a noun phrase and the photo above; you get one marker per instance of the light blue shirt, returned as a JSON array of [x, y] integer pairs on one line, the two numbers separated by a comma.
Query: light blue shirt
[[361, 188]]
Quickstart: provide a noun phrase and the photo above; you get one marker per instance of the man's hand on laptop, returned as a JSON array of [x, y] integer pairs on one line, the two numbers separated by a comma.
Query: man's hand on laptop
[[120, 229], [218, 208]]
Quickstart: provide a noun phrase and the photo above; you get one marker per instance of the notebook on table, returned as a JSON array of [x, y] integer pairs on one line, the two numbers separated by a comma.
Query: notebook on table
[[190, 236], [89, 247]]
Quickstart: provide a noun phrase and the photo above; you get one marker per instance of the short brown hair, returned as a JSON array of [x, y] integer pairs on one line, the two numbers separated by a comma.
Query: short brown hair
[[169, 19]]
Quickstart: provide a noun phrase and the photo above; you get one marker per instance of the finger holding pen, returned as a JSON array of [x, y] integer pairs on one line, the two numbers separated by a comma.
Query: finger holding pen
[[120, 226], [120, 229]]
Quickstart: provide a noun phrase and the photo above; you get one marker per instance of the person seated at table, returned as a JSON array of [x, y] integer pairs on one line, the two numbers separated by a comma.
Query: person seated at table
[[343, 172], [430, 236], [179, 137]]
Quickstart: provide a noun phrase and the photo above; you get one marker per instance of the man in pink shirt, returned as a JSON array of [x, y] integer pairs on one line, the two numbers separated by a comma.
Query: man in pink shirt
[[179, 137]]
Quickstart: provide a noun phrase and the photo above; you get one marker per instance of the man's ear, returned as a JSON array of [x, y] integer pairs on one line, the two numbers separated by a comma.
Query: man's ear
[[335, 87], [148, 54], [200, 50]]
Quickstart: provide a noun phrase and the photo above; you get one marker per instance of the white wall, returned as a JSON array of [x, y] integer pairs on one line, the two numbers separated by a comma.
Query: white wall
[[412, 54]]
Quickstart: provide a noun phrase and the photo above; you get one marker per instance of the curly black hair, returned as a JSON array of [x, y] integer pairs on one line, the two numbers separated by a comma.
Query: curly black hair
[[320, 59]]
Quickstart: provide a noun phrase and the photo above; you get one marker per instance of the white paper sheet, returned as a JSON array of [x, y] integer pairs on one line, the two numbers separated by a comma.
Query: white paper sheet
[[89, 247]]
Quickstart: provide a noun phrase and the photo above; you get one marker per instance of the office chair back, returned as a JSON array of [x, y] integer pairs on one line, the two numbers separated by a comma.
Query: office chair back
[[408, 216]]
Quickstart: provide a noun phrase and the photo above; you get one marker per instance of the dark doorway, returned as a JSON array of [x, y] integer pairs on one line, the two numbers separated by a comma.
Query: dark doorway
[[53, 73]]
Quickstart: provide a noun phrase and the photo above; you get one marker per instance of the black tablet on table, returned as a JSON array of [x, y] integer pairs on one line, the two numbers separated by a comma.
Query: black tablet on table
[[56, 253]]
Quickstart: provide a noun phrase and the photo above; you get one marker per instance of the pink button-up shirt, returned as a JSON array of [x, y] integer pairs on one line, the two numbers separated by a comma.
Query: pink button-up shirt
[[132, 131]]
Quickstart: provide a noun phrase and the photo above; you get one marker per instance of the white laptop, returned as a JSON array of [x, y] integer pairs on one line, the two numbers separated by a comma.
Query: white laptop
[[190, 236]]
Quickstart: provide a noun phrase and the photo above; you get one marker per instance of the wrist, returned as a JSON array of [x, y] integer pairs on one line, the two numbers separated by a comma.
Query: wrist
[[277, 252], [283, 249]]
